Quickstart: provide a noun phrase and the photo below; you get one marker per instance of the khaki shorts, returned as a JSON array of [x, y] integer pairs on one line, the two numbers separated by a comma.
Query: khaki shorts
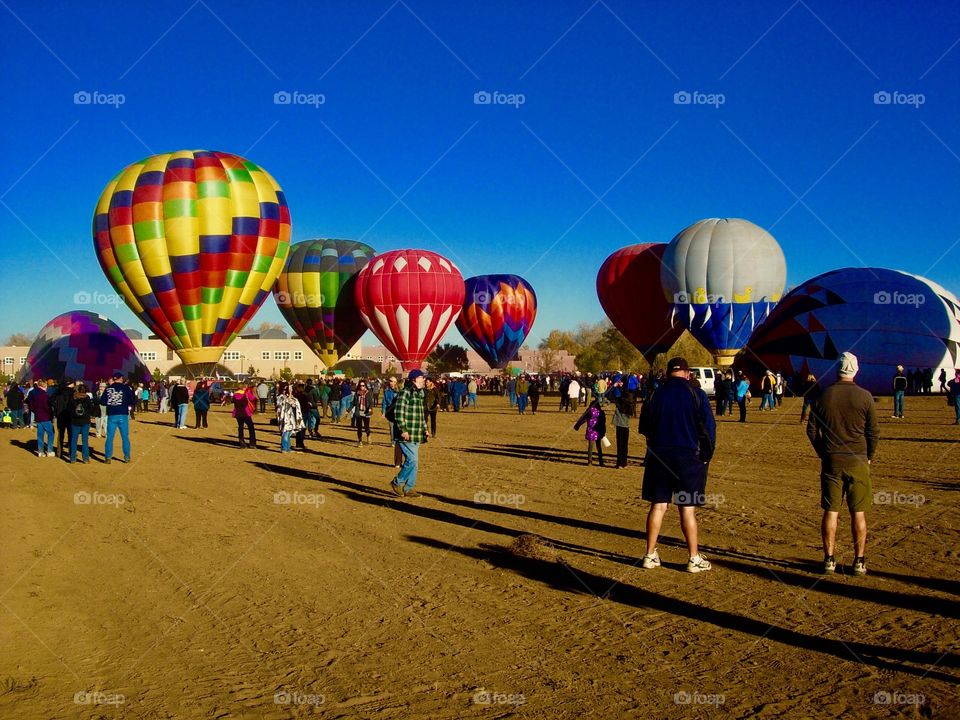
[[850, 478]]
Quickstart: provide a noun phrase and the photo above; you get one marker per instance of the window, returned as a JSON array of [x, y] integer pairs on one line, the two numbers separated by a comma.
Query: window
[[8, 361], [265, 355], [281, 355], [148, 355], [298, 355], [231, 355], [23, 361]]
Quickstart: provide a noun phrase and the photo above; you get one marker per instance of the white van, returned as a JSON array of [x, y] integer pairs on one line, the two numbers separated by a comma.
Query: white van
[[707, 378]]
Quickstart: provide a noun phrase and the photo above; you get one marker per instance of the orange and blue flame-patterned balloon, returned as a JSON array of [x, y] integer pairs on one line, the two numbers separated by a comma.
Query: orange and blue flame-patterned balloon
[[194, 241], [498, 313]]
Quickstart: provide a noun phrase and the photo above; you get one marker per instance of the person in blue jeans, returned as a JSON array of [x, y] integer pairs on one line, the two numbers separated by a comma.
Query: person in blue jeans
[[80, 410], [411, 424], [117, 399], [39, 403], [899, 390]]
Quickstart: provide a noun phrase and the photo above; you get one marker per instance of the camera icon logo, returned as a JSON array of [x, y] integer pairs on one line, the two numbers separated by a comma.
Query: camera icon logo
[[682, 98], [82, 298], [482, 297], [284, 298], [882, 697], [281, 698], [482, 98], [483, 498], [282, 498], [882, 98], [882, 298], [682, 698], [82, 97], [282, 97], [82, 498]]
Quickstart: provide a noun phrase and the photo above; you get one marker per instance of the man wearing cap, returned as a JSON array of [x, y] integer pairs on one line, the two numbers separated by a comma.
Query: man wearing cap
[[118, 398], [681, 435], [411, 426], [844, 432]]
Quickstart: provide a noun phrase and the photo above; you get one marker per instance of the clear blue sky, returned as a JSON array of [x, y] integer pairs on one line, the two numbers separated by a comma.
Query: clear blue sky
[[496, 188]]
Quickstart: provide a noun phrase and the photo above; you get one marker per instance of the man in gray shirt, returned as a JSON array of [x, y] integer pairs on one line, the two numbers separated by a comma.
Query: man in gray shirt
[[843, 430]]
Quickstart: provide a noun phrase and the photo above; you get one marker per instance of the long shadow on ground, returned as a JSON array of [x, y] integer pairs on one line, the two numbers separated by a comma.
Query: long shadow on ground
[[561, 577]]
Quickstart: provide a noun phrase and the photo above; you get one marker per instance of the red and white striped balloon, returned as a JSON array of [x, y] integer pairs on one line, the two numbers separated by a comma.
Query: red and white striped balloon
[[409, 298]]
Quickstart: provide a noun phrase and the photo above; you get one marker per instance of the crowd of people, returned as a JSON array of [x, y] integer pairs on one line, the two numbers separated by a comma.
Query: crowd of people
[[672, 412]]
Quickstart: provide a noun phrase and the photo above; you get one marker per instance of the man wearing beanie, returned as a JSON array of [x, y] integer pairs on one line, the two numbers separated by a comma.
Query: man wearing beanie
[[844, 432], [411, 425]]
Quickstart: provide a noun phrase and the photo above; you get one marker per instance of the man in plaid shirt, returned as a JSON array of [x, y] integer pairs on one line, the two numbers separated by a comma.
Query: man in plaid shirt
[[411, 422]]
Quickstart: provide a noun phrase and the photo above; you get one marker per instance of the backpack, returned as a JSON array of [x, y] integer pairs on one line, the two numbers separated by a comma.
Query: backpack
[[390, 413]]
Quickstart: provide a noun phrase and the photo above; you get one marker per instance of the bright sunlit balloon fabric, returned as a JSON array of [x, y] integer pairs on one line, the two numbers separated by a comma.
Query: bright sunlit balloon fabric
[[315, 293], [498, 313], [82, 345], [409, 298], [722, 277], [884, 317], [194, 241], [629, 289]]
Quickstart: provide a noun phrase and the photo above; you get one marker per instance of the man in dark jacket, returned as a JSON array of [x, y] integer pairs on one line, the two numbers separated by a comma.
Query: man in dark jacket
[[60, 405], [179, 399], [681, 435], [844, 432], [118, 399], [14, 398]]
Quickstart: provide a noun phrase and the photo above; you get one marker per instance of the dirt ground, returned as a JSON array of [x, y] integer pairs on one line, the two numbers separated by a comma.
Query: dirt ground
[[205, 581]]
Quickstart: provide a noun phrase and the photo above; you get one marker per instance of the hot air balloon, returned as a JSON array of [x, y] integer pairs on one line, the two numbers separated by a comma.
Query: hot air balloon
[[82, 345], [498, 313], [194, 241], [630, 292], [884, 317], [315, 293], [722, 277], [408, 298]]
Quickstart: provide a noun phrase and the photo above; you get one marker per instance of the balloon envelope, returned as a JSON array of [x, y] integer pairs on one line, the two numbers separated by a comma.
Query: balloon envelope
[[408, 298], [722, 277], [629, 289], [884, 317], [194, 241], [315, 293], [82, 345], [498, 313]]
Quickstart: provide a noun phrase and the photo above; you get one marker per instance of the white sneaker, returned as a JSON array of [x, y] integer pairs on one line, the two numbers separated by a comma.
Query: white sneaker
[[698, 564], [651, 561], [51, 454]]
